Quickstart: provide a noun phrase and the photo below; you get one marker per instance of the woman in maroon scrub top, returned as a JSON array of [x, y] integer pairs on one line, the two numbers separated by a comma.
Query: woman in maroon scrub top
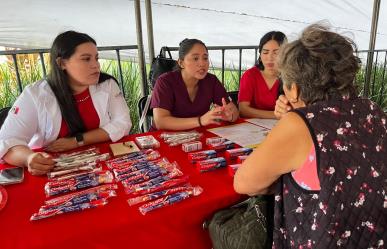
[[259, 85], [181, 99]]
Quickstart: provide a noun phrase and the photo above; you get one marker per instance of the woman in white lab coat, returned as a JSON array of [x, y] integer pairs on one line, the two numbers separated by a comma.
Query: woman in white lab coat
[[77, 105]]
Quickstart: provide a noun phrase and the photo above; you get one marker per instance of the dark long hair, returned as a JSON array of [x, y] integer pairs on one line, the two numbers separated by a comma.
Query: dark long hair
[[64, 47], [277, 36]]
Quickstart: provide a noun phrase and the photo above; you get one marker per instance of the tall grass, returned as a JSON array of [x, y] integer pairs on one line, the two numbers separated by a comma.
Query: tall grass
[[30, 71], [130, 85], [231, 77], [8, 87], [378, 86]]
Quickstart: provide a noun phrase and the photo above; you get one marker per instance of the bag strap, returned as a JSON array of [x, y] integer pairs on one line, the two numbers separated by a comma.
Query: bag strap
[[145, 111], [242, 203], [160, 54], [166, 49]]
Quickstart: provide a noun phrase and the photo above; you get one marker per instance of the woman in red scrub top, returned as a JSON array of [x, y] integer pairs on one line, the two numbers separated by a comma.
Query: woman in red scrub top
[[259, 85]]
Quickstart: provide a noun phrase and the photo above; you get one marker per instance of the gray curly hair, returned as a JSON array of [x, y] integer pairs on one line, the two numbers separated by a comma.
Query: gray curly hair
[[321, 63]]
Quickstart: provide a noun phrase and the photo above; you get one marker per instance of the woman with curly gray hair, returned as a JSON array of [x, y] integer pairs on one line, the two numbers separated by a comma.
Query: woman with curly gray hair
[[327, 155]]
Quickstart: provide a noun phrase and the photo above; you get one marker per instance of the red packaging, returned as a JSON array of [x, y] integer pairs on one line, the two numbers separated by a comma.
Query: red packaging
[[219, 147], [201, 155], [240, 159], [3, 197], [215, 140], [211, 164], [191, 146], [234, 153]]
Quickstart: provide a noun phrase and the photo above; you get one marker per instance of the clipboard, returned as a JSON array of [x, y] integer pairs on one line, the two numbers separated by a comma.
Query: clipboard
[[123, 148]]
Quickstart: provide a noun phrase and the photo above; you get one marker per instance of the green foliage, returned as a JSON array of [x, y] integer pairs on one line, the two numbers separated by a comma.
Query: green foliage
[[378, 86], [8, 87], [231, 77], [30, 70], [130, 84]]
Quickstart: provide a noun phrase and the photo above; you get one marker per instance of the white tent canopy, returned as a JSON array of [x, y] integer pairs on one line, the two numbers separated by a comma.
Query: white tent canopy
[[26, 24]]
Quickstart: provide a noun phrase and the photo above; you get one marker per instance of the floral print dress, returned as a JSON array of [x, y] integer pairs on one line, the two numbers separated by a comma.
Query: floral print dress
[[350, 209]]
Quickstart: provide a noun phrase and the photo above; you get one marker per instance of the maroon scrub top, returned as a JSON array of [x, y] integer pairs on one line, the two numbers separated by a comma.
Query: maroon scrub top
[[170, 93]]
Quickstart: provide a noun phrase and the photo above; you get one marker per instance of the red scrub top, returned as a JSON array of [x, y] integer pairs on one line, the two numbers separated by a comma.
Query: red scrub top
[[253, 89], [87, 111]]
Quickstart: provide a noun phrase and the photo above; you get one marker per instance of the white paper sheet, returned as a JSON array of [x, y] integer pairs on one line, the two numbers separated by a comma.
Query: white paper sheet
[[244, 134], [267, 123]]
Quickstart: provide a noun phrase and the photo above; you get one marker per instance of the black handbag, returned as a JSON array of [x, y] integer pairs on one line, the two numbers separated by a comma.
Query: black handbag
[[246, 225], [160, 65]]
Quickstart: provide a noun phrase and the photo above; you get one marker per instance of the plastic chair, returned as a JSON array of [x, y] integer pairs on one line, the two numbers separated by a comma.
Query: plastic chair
[[3, 114], [149, 113]]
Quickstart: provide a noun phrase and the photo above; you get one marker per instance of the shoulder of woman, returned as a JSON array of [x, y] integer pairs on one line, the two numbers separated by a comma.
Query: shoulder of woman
[[212, 78], [250, 74], [37, 93], [251, 71], [37, 85], [210, 75], [171, 75], [291, 139], [104, 85], [168, 78], [290, 127], [38, 88]]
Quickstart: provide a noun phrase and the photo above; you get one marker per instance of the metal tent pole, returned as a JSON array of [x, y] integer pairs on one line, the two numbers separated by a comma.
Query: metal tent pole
[[141, 57], [149, 25], [370, 55]]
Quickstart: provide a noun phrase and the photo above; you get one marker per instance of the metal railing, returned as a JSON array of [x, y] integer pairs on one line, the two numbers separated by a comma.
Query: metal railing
[[375, 84], [41, 53], [223, 50], [376, 87]]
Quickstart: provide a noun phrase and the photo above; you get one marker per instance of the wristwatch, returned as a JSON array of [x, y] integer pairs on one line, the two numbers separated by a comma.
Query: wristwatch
[[79, 139]]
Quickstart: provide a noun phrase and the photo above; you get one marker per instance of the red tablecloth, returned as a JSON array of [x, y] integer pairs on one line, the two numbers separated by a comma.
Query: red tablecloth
[[117, 225]]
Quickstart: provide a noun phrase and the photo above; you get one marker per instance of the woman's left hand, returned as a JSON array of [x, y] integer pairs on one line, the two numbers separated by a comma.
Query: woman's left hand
[[282, 106], [230, 112], [62, 144]]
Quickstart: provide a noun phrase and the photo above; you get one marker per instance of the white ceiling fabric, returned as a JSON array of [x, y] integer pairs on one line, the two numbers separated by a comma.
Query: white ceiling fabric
[[34, 24]]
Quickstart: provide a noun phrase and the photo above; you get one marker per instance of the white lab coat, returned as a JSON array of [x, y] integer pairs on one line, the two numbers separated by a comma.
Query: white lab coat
[[35, 118]]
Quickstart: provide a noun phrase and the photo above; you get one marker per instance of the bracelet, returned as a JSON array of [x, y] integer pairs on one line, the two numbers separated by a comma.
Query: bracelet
[[200, 122]]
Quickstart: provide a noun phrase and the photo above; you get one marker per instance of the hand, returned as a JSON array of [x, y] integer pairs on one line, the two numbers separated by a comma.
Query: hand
[[228, 111], [39, 163], [213, 116], [62, 144], [282, 106]]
